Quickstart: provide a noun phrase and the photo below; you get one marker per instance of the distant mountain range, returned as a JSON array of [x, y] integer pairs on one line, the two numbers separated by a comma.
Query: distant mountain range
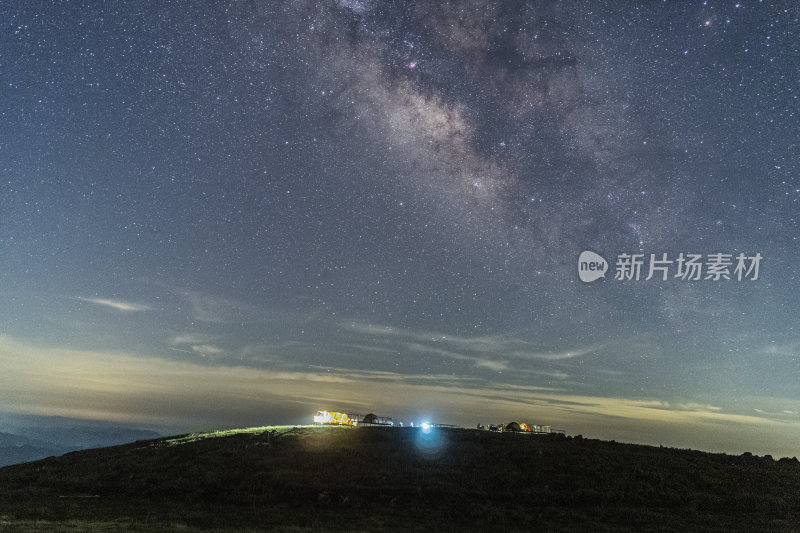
[[28, 438]]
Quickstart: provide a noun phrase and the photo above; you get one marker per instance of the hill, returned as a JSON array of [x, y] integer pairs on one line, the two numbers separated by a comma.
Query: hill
[[342, 478]]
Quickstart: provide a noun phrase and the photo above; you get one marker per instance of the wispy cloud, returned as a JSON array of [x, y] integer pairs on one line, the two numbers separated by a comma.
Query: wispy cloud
[[781, 413], [210, 308], [788, 350], [482, 362], [555, 356], [694, 406], [494, 352], [190, 338], [119, 305], [195, 343], [207, 349]]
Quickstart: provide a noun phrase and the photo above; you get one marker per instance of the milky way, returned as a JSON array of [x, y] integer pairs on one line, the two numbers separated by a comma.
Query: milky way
[[237, 213]]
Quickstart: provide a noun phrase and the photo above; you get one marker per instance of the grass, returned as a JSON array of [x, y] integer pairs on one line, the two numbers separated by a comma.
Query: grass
[[218, 433], [342, 478]]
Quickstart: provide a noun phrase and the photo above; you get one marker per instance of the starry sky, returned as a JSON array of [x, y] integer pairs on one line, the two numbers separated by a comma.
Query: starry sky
[[235, 213]]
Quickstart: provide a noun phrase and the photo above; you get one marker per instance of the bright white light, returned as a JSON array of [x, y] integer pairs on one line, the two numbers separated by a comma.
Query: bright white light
[[426, 427]]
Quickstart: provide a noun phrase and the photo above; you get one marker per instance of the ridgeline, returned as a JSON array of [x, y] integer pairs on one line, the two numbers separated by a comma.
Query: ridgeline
[[372, 478]]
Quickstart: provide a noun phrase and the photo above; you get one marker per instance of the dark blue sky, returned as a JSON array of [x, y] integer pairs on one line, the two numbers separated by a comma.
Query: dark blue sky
[[239, 213]]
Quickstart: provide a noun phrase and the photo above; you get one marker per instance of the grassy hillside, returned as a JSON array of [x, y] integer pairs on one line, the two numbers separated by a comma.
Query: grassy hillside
[[340, 478]]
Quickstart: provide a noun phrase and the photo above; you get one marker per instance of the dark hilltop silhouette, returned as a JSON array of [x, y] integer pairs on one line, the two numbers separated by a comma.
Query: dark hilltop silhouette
[[343, 478]]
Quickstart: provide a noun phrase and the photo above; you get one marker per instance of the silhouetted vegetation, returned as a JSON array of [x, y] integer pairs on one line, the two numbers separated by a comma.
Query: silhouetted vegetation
[[340, 478]]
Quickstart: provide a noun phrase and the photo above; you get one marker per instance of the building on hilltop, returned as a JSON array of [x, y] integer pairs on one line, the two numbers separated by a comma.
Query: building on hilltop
[[373, 420]]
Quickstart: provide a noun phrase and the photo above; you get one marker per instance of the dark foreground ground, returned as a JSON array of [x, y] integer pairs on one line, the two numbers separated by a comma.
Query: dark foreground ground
[[338, 478]]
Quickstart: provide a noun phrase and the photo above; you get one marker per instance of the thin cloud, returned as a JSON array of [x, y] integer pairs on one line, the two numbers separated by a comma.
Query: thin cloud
[[119, 305], [482, 362], [210, 308], [788, 350], [195, 343], [190, 338], [207, 349], [554, 356], [492, 352]]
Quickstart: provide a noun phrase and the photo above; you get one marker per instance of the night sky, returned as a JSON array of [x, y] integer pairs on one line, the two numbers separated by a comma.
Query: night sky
[[215, 214]]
